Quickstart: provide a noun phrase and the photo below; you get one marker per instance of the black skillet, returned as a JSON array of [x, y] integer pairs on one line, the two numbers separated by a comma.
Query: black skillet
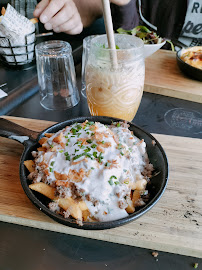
[[190, 71], [30, 139]]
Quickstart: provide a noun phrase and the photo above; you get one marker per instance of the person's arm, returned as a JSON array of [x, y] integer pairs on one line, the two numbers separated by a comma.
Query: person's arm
[[70, 16], [124, 16]]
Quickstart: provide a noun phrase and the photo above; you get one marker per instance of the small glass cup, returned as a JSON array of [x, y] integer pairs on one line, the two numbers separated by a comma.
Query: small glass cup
[[115, 90], [56, 75], [86, 49]]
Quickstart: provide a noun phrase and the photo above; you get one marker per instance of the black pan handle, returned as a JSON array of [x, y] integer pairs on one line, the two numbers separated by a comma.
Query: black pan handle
[[16, 132]]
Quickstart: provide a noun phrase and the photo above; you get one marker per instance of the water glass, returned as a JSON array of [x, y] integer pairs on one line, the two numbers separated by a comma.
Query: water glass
[[86, 48], [56, 75], [115, 88]]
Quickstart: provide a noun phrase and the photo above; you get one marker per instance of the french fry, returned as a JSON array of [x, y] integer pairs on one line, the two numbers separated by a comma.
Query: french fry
[[44, 189], [130, 208], [3, 11], [34, 20], [136, 197], [85, 215], [29, 164], [70, 205], [83, 206], [140, 184]]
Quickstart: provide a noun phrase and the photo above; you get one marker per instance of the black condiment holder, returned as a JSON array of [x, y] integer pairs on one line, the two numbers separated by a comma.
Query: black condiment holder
[[27, 64]]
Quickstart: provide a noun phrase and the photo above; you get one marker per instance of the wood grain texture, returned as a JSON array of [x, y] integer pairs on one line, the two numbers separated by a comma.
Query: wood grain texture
[[174, 224], [165, 78]]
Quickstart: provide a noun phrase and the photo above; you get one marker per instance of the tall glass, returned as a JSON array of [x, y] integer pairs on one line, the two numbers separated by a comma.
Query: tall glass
[[86, 49], [115, 90], [56, 75]]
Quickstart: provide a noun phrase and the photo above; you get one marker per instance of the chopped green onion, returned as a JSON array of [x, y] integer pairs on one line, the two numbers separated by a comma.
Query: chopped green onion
[[51, 169], [95, 154], [61, 151], [51, 146], [52, 163], [116, 183], [113, 176], [93, 145], [89, 141], [110, 182], [118, 124], [87, 150], [100, 157], [74, 131]]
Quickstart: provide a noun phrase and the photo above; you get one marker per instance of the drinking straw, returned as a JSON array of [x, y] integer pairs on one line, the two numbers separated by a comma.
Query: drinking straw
[[109, 31]]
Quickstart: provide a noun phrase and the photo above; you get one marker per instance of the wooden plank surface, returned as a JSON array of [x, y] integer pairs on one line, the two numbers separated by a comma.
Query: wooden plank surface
[[165, 78], [174, 224]]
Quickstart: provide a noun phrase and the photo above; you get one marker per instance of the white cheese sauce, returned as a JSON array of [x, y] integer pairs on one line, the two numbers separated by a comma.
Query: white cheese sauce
[[102, 161]]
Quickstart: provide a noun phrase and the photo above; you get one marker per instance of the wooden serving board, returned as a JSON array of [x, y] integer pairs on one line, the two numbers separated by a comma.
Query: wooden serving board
[[165, 78], [174, 224]]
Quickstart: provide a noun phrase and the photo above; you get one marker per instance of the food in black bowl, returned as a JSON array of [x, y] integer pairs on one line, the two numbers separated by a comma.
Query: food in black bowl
[[189, 61], [91, 172]]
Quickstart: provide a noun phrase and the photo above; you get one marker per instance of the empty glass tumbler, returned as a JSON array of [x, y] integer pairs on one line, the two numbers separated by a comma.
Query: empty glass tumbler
[[56, 75], [86, 49]]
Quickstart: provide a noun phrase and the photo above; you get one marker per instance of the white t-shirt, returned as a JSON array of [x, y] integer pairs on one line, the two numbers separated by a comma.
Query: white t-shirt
[[191, 34]]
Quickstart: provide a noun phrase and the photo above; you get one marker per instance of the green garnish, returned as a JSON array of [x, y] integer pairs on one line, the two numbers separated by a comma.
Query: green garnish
[[51, 146], [110, 182], [92, 168], [93, 145], [67, 144], [89, 141], [51, 169], [118, 124], [113, 177], [79, 127], [100, 157], [107, 164], [116, 183], [78, 156], [103, 142], [122, 153], [87, 150], [67, 156], [61, 151], [52, 163], [126, 182], [74, 131], [95, 154]]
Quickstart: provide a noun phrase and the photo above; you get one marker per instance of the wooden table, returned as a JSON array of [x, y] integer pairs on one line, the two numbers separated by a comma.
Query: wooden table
[[165, 78]]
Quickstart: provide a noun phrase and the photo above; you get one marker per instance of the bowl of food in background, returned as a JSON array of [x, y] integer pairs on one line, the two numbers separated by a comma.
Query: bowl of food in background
[[189, 61], [152, 42]]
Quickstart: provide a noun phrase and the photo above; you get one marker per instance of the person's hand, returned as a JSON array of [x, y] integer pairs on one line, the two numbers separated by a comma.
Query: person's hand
[[59, 15], [120, 2]]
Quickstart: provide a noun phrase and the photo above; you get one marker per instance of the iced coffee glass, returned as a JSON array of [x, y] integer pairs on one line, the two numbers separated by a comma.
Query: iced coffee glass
[[115, 90]]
